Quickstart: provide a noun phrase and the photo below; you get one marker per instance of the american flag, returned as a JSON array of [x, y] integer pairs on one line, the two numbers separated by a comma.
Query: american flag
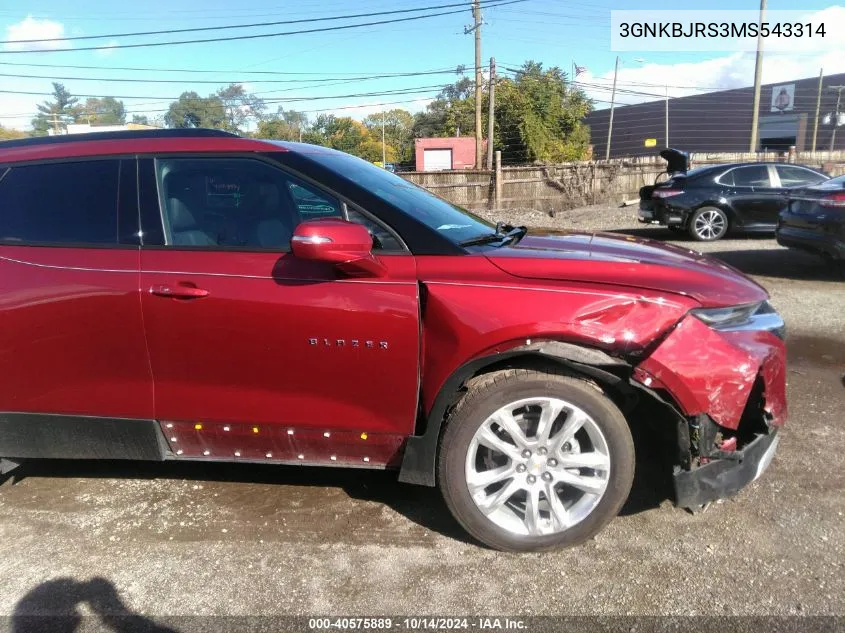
[[579, 70]]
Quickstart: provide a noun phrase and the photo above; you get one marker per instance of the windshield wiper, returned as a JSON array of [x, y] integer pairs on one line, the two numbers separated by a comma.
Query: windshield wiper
[[504, 233]]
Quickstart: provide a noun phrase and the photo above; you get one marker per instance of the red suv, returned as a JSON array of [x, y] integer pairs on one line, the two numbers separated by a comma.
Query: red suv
[[193, 295]]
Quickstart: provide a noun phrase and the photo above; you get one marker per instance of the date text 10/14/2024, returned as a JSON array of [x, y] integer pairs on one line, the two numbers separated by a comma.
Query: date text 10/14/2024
[[417, 624]]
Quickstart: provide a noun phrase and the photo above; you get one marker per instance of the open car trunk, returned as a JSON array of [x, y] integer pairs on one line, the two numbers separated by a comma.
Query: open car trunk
[[676, 160]]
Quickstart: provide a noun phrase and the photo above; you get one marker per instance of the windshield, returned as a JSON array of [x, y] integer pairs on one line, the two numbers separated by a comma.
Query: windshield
[[455, 223]]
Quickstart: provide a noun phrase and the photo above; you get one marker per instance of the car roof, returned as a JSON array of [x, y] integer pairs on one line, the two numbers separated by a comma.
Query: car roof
[[129, 142], [708, 168]]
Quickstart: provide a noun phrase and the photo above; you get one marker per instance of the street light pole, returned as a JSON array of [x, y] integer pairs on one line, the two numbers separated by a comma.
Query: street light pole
[[818, 108], [612, 106], [491, 115], [758, 72], [839, 90], [383, 145]]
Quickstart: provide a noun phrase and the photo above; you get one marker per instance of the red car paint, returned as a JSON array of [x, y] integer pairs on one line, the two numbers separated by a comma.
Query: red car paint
[[333, 367], [713, 372], [622, 260]]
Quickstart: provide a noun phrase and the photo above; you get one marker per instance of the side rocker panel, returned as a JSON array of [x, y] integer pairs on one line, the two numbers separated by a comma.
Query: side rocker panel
[[39, 435]]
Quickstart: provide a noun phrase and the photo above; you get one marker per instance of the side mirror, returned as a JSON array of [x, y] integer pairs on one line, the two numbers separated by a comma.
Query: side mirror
[[347, 245]]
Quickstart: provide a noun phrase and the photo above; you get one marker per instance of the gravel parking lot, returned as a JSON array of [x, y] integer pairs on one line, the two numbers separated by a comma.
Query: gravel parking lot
[[186, 539]]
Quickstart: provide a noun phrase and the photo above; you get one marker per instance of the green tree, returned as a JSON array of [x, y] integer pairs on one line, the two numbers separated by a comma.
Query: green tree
[[105, 111], [538, 117], [452, 113], [239, 106], [341, 133], [63, 109], [192, 110], [285, 125], [398, 132], [141, 119]]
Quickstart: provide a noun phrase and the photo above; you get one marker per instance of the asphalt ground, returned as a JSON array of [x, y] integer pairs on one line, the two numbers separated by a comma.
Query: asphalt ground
[[202, 539]]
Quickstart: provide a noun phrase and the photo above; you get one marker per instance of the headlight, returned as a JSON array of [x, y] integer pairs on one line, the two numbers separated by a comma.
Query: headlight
[[725, 318], [752, 316]]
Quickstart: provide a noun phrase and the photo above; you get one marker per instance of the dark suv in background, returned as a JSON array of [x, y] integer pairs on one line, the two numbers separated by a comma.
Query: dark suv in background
[[709, 201]]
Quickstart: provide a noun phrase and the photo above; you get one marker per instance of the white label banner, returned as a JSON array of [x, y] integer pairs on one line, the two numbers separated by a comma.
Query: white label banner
[[710, 30]]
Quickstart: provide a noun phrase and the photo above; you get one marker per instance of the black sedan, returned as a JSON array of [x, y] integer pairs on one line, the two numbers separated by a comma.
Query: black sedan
[[814, 220], [708, 201]]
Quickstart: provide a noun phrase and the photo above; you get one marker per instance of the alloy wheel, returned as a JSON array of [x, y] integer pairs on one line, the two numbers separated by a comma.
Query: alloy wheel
[[710, 224], [537, 466]]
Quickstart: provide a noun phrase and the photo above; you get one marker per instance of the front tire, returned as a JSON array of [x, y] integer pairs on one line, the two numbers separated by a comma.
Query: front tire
[[708, 224], [533, 461]]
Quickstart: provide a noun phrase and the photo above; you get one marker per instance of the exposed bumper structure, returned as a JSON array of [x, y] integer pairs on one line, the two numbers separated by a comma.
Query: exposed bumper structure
[[730, 386], [725, 477]]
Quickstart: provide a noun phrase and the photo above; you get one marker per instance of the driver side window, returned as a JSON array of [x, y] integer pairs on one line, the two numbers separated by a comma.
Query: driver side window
[[237, 203]]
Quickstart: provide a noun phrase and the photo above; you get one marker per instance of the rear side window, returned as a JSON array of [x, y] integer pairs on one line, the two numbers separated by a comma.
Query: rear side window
[[753, 176], [73, 204], [797, 177]]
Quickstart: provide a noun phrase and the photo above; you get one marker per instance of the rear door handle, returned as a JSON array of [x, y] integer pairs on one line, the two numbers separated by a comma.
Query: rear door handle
[[178, 291]]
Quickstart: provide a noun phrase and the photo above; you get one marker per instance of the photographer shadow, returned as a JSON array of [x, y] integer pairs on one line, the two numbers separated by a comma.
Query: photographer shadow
[[52, 607]]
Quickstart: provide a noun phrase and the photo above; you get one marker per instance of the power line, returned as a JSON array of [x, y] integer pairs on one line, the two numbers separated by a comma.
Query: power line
[[292, 99], [239, 26], [187, 70], [227, 81], [250, 37]]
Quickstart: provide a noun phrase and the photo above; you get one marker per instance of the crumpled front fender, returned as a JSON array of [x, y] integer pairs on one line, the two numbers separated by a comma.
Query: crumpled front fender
[[713, 372]]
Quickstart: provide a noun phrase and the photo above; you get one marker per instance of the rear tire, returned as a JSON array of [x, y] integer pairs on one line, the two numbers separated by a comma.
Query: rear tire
[[708, 224], [556, 451]]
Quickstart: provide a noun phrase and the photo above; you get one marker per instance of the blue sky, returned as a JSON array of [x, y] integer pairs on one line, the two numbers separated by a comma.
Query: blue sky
[[551, 31]]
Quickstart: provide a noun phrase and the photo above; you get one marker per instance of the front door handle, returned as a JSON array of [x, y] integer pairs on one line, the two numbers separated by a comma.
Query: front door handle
[[178, 291]]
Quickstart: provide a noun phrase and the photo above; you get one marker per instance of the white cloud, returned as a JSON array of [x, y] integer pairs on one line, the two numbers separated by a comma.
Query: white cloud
[[108, 51], [35, 29]]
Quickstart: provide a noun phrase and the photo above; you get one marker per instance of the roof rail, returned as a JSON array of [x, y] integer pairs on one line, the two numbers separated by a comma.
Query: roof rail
[[116, 136]]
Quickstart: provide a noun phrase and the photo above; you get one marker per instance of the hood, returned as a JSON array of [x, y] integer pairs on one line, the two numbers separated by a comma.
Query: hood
[[676, 160], [622, 260]]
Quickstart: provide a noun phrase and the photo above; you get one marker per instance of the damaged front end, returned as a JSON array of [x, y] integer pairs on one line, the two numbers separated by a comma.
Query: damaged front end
[[726, 374]]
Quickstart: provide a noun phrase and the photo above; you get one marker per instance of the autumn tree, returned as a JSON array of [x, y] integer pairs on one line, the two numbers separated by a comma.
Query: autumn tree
[[285, 125], [7, 134], [398, 133]]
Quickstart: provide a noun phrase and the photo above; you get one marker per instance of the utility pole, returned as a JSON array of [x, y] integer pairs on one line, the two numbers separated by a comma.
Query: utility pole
[[667, 115], [758, 73], [55, 122], [476, 14], [839, 90], [491, 113], [612, 107], [818, 109], [383, 145]]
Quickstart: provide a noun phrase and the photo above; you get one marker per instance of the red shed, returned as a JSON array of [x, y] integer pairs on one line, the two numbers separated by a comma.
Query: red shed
[[438, 154]]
